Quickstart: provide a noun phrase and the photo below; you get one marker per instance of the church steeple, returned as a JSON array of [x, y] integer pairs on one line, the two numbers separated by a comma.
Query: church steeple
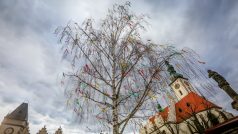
[[20, 113], [180, 85], [173, 74], [16, 122]]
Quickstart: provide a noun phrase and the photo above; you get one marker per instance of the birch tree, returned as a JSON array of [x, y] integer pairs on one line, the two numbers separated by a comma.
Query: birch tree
[[115, 75]]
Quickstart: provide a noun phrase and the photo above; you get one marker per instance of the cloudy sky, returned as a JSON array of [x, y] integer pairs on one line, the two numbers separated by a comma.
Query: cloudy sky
[[30, 58]]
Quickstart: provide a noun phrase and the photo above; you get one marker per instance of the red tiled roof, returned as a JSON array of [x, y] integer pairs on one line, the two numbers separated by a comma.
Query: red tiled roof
[[152, 119], [190, 104], [164, 114]]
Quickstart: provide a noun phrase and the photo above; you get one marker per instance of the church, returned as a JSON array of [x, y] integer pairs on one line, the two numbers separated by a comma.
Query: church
[[16, 122], [187, 114]]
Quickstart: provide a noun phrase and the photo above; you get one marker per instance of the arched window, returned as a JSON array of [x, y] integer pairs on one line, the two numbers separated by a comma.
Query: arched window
[[180, 92]]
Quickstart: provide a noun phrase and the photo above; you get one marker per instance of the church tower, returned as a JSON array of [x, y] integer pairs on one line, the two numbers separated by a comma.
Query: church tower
[[16, 122], [180, 85], [191, 113]]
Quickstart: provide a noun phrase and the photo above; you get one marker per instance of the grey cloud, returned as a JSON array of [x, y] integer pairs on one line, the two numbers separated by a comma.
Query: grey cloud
[[26, 15]]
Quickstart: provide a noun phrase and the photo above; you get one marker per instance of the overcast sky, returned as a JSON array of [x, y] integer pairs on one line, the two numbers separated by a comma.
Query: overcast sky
[[30, 58]]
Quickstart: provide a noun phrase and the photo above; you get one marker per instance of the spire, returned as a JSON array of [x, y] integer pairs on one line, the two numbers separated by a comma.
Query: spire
[[43, 131], [59, 131], [173, 74], [20, 113]]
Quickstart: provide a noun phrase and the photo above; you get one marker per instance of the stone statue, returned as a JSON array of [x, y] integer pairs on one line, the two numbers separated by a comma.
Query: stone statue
[[223, 84]]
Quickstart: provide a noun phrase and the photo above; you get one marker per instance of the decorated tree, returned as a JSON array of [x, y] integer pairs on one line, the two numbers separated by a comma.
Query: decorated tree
[[116, 77]]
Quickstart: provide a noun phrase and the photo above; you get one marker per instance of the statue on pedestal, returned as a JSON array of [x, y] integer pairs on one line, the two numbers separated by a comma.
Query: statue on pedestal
[[223, 84]]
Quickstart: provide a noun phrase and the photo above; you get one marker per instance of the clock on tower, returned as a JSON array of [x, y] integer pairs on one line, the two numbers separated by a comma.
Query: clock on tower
[[9, 130]]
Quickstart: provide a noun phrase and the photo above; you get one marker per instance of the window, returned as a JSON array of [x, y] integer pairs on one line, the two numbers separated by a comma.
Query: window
[[180, 110], [180, 92], [188, 104]]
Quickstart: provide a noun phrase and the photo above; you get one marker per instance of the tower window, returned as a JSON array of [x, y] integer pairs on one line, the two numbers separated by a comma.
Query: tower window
[[180, 92], [180, 110]]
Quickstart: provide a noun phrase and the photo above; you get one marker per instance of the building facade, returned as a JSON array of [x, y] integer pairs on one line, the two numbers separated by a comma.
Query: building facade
[[187, 114], [16, 122]]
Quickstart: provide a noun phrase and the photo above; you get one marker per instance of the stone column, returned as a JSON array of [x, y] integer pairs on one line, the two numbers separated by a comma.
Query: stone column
[[223, 84]]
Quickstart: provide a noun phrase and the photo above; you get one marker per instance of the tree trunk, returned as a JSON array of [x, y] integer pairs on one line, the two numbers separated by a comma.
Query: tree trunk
[[115, 117], [115, 124]]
